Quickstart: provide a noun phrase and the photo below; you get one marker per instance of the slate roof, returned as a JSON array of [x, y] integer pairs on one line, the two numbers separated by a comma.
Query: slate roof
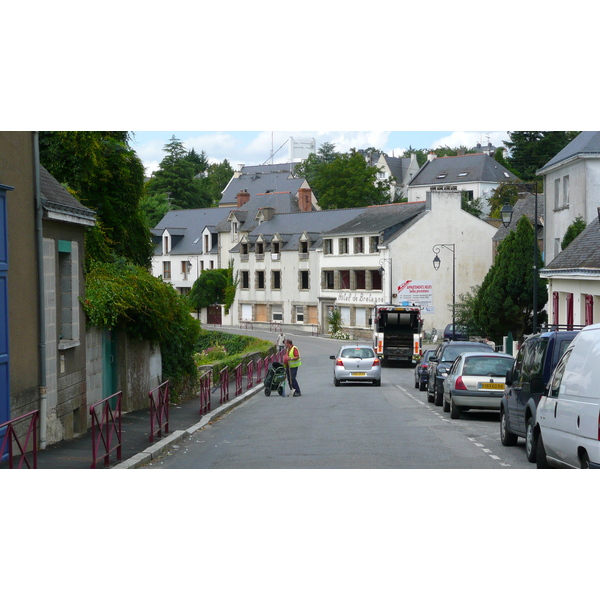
[[291, 226], [587, 142], [187, 226], [524, 206], [478, 167], [57, 198], [397, 166], [263, 181], [386, 219], [582, 254], [282, 202]]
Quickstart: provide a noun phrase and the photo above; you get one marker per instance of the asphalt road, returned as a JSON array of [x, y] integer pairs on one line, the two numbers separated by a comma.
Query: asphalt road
[[355, 426]]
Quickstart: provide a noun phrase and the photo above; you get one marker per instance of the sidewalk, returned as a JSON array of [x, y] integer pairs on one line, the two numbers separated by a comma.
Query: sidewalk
[[136, 450]]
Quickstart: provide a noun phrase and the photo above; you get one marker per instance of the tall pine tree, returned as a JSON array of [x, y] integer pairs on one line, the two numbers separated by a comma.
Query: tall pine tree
[[504, 302]]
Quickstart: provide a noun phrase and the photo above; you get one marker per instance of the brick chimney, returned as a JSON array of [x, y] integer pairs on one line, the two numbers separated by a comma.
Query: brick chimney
[[242, 197], [304, 200]]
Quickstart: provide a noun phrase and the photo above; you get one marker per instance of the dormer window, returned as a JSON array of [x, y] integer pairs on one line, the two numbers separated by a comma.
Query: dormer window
[[259, 250], [244, 251], [303, 250], [234, 231], [166, 244]]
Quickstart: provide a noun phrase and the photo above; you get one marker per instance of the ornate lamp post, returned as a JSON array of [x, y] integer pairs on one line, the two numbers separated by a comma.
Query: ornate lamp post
[[507, 214], [436, 265]]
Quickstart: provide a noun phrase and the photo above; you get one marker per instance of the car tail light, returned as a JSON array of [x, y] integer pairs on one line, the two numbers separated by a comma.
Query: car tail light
[[459, 383], [376, 362], [339, 362]]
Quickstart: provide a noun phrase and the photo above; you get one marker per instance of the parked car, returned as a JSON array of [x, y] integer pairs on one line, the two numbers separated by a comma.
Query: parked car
[[536, 359], [459, 334], [439, 363], [567, 423], [476, 380], [421, 370], [357, 362]]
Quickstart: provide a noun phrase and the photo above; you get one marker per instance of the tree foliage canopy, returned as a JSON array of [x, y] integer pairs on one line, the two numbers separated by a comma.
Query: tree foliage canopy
[[105, 174], [504, 302], [573, 230], [343, 180], [531, 150]]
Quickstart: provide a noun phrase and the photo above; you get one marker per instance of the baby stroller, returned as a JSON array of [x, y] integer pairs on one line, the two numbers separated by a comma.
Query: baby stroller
[[275, 379]]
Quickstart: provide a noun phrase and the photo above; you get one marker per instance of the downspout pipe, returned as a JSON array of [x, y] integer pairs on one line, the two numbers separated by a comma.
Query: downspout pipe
[[42, 312]]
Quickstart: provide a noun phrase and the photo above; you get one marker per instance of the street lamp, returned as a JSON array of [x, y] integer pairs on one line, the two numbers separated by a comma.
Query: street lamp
[[382, 271], [436, 265], [507, 214]]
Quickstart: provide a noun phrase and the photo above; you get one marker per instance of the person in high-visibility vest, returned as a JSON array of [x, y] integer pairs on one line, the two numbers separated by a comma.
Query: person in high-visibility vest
[[292, 361]]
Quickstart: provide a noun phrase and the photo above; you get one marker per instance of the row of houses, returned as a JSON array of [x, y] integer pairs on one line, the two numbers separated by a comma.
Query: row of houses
[[296, 263]]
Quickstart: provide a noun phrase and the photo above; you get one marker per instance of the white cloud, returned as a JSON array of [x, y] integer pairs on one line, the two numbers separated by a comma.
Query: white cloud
[[471, 138]]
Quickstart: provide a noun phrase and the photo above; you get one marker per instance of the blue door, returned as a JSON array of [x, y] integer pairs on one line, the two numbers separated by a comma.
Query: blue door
[[4, 354]]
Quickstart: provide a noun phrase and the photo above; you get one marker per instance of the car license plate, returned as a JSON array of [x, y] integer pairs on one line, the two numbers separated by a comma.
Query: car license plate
[[491, 386], [359, 374]]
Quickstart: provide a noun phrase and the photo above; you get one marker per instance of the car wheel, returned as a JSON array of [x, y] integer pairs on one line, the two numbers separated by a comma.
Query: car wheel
[[506, 437], [416, 384], [541, 461], [377, 382], [530, 441], [585, 460], [430, 396], [446, 405], [422, 386], [336, 382], [454, 410], [438, 398]]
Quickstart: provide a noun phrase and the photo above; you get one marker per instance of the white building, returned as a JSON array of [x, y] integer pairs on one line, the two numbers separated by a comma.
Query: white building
[[572, 188], [475, 175]]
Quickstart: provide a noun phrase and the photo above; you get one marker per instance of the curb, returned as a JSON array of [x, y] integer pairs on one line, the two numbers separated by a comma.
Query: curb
[[143, 458]]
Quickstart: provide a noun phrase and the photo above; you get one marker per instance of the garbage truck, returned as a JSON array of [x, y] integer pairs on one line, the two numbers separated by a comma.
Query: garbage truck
[[397, 333]]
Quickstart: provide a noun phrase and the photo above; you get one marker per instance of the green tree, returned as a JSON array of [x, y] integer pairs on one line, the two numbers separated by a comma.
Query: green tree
[[106, 175], [504, 301], [218, 175], [209, 288], [176, 177], [573, 230], [531, 150], [309, 168], [348, 182], [155, 207]]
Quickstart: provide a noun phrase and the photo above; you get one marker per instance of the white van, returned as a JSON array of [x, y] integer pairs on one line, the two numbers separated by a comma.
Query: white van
[[568, 415]]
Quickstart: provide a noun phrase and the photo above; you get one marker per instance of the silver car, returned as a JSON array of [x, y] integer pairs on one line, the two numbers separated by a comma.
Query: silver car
[[357, 362], [476, 380]]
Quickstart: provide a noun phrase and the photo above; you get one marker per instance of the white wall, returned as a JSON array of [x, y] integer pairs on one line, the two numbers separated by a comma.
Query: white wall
[[446, 223]]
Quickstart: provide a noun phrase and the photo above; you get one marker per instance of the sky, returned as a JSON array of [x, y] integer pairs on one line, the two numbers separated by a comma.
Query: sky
[[257, 147]]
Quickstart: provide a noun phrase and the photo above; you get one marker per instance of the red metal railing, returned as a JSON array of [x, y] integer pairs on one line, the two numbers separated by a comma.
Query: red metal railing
[[224, 381], [238, 379], [106, 422], [260, 363], [159, 410], [205, 380], [250, 374], [11, 437]]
